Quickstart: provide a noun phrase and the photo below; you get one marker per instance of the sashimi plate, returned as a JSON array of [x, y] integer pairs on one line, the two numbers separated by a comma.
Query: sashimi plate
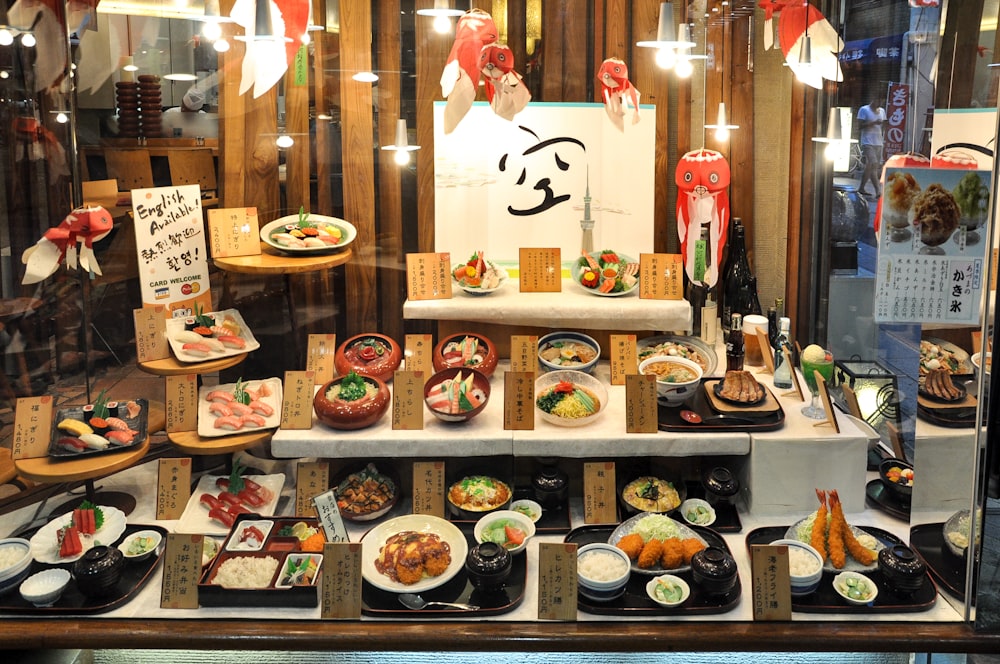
[[195, 520], [175, 325], [206, 418], [45, 542]]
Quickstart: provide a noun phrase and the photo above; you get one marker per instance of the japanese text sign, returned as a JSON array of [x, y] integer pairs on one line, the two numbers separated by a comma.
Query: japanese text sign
[[150, 334], [540, 270], [32, 427], [182, 403], [297, 400], [340, 592], [557, 581], [624, 359], [519, 400], [408, 400], [173, 487], [181, 571], [600, 496], [320, 353], [428, 488], [311, 479], [772, 591], [428, 276], [661, 277], [234, 232]]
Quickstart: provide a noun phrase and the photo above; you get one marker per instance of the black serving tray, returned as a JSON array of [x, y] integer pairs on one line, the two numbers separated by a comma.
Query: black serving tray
[[826, 599], [727, 517], [138, 423], [554, 520], [636, 603], [135, 575], [927, 539], [669, 417], [879, 497], [385, 604], [952, 418]]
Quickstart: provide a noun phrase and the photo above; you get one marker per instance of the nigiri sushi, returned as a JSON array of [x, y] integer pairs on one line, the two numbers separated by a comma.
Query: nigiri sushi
[[133, 409], [120, 437], [199, 349], [231, 422], [240, 409], [94, 441], [252, 419], [117, 423], [220, 396], [214, 344], [187, 337], [231, 341], [220, 409], [71, 444], [261, 408]]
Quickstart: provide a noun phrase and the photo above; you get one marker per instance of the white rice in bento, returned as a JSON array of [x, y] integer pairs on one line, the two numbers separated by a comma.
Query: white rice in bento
[[246, 572]]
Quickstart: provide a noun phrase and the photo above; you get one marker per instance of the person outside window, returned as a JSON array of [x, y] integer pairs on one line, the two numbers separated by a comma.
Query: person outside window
[[871, 117]]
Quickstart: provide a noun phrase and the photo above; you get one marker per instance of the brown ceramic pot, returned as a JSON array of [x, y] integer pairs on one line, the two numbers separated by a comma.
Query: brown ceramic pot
[[349, 415], [448, 354], [370, 354], [479, 382]]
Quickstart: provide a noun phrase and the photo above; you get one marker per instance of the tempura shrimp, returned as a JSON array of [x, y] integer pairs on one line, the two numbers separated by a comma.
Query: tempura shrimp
[[863, 555], [818, 538]]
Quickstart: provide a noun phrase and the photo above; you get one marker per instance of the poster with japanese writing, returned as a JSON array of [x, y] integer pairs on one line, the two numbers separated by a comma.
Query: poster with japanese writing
[[932, 246], [170, 243], [503, 185]]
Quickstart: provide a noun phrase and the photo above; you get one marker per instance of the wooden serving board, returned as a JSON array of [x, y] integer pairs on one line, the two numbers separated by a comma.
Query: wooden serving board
[[968, 402], [768, 405]]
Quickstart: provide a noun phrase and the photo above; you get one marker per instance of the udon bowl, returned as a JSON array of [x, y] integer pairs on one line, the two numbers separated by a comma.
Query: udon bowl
[[568, 350], [673, 392], [447, 409], [547, 382]]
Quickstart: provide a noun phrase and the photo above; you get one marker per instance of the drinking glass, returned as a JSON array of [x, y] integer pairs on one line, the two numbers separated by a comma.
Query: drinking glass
[[825, 368]]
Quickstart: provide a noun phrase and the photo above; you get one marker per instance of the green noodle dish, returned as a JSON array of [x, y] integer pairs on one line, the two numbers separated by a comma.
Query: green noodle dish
[[567, 400]]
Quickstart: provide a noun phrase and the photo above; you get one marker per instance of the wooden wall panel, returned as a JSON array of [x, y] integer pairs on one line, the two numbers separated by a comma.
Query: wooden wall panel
[[740, 106], [297, 157], [517, 33], [322, 43]]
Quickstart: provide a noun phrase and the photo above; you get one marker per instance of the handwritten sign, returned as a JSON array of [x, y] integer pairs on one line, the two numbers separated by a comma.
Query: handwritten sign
[[599, 492], [795, 375], [340, 592], [557, 581], [297, 399], [519, 401], [428, 488], [329, 517], [170, 243], [408, 401], [540, 270], [524, 353], [661, 277], [182, 403], [181, 570], [624, 357], [772, 590], [320, 353], [234, 232], [640, 404], [428, 276], [173, 487], [32, 427], [151, 334], [311, 479], [418, 353]]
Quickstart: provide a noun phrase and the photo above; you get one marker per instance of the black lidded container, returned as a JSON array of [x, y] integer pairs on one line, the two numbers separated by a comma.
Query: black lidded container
[[550, 486], [98, 570], [488, 565]]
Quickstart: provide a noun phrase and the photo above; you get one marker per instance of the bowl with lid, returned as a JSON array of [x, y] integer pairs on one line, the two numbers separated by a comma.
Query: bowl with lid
[[488, 565], [602, 571], [98, 571], [902, 568], [369, 354], [721, 485], [714, 570], [897, 477]]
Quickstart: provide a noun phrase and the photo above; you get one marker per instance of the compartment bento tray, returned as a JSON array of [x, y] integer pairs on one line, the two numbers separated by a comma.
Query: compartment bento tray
[[636, 603], [195, 520], [206, 418], [139, 424], [669, 417], [175, 325], [826, 599]]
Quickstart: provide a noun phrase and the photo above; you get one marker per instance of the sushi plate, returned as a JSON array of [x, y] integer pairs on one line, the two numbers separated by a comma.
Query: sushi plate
[[175, 325], [195, 519], [577, 271], [137, 424], [206, 418], [45, 543], [279, 226]]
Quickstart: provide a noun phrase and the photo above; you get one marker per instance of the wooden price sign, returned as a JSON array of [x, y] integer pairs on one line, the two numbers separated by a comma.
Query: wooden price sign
[[173, 487], [600, 494], [418, 353], [297, 398], [408, 401], [624, 357], [557, 584], [428, 488], [233, 232], [32, 427], [661, 277], [182, 403], [795, 376], [181, 570], [340, 593], [640, 404], [524, 353], [311, 479], [540, 270], [518, 401], [772, 590], [824, 396], [320, 352], [150, 334], [329, 516], [765, 351], [428, 276]]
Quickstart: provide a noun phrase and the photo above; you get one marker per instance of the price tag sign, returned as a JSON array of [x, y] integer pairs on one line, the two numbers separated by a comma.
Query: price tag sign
[[181, 570], [518, 401], [557, 585], [428, 276], [297, 398], [824, 396], [182, 403], [233, 232], [624, 357], [772, 590], [150, 334], [408, 401], [311, 479], [640, 404], [428, 488], [599, 492], [173, 487], [330, 518], [524, 353], [795, 375], [661, 277], [418, 353], [340, 597], [320, 352], [32, 428], [540, 270], [766, 351]]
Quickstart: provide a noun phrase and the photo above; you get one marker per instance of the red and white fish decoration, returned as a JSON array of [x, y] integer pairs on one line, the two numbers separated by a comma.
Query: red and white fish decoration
[[84, 225], [702, 178], [460, 78], [799, 19], [505, 90], [617, 92]]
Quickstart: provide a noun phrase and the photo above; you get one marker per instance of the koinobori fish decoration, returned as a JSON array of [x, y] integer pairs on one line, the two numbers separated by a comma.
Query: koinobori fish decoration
[[798, 19], [617, 92], [84, 226], [460, 78], [505, 90], [702, 178]]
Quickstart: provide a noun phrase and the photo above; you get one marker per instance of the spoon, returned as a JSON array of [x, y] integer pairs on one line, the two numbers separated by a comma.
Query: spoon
[[416, 602]]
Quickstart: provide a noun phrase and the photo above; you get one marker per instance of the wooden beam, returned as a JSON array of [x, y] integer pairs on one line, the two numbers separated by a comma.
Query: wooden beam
[[297, 157]]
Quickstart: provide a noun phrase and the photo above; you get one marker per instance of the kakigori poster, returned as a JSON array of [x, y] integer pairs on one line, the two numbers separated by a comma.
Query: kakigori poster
[[933, 239], [502, 185]]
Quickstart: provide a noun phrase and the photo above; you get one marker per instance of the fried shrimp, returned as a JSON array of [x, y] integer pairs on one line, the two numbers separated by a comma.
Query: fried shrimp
[[691, 546], [818, 538], [650, 554], [838, 525], [862, 554], [631, 544], [672, 555]]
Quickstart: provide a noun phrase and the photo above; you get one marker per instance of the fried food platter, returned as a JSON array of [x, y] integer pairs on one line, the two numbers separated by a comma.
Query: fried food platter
[[684, 531]]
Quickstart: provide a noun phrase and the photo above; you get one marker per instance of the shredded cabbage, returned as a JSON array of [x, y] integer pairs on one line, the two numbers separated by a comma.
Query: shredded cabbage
[[656, 526]]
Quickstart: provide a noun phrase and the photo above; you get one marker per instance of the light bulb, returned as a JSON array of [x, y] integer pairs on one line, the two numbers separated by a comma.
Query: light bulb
[[442, 25], [722, 134], [28, 40], [61, 118], [305, 38], [6, 37], [284, 141], [830, 151], [666, 58], [4, 74], [221, 45], [211, 30], [683, 68], [402, 157]]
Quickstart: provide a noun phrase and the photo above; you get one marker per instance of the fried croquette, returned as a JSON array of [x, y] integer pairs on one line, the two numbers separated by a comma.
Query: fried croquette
[[650, 554], [407, 556], [690, 547], [631, 544], [673, 553]]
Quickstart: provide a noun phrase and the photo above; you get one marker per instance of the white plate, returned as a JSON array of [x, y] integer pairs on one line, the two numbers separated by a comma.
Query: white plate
[[177, 325], [375, 538], [683, 532], [45, 546], [206, 419], [195, 517], [850, 564], [504, 276], [350, 232], [576, 270]]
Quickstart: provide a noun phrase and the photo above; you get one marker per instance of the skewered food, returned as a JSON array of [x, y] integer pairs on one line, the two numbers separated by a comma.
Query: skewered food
[[742, 387]]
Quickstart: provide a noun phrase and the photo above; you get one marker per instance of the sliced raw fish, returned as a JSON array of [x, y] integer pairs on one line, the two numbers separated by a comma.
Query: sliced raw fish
[[261, 408], [220, 409], [231, 422], [199, 349], [187, 337]]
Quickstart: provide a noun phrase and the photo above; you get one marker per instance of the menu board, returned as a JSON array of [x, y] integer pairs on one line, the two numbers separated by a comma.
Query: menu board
[[540, 270], [428, 276]]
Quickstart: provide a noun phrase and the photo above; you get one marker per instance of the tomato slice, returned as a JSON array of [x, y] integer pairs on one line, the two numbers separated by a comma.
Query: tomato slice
[[515, 536]]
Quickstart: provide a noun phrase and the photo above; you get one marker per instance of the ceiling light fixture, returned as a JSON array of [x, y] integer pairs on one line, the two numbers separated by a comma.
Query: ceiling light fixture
[[402, 146], [722, 126], [442, 14], [668, 45], [365, 77]]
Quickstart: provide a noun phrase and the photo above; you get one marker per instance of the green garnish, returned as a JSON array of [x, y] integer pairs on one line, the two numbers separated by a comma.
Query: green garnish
[[98, 513], [240, 393], [304, 218], [101, 405], [352, 387], [200, 318], [236, 483], [549, 401]]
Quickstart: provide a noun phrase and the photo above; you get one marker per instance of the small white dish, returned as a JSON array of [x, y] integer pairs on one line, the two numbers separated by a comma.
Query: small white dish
[[46, 587], [697, 512], [516, 520], [668, 590], [528, 508], [249, 535], [844, 582], [141, 545]]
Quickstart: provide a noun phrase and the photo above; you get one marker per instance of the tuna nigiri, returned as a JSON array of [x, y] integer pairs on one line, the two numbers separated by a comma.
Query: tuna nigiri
[[231, 422], [252, 419], [261, 408], [220, 409], [240, 409], [198, 349], [220, 396]]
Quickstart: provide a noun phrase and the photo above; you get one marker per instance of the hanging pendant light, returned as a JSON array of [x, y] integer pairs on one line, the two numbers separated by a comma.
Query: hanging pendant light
[[836, 142], [667, 43], [442, 13], [402, 146], [722, 126]]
